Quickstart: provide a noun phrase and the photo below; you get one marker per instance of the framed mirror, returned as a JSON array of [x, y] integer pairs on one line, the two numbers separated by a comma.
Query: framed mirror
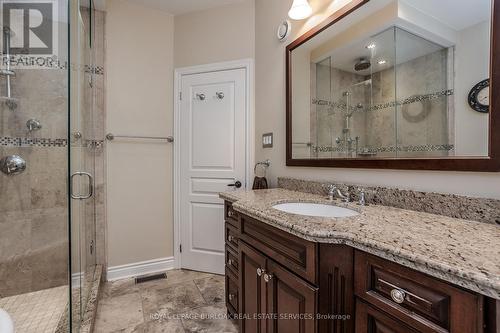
[[397, 84]]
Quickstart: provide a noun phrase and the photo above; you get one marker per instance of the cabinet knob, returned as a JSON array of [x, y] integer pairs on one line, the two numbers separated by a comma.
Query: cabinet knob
[[398, 296], [230, 262], [230, 238], [230, 297], [260, 271], [230, 213], [268, 277]]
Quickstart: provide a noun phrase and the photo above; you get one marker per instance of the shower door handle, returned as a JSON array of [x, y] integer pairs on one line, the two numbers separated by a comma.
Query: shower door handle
[[91, 186]]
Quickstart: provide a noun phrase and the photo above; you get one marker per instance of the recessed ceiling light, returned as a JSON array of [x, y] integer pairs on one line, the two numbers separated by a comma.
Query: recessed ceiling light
[[382, 62], [371, 46]]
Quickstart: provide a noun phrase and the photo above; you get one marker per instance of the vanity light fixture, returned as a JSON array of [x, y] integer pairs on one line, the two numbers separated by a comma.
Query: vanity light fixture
[[300, 10], [371, 46], [382, 62]]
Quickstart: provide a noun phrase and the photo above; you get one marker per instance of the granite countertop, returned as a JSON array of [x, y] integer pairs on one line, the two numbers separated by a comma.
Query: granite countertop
[[465, 253]]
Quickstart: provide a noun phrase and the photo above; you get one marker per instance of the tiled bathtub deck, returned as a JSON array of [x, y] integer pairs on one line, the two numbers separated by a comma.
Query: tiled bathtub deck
[[186, 301], [37, 312]]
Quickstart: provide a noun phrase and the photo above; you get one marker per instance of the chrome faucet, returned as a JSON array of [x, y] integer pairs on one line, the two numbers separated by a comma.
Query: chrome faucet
[[334, 191], [331, 191], [344, 197]]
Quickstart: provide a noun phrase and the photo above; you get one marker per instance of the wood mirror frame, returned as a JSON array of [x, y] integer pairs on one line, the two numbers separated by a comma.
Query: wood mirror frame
[[490, 163]]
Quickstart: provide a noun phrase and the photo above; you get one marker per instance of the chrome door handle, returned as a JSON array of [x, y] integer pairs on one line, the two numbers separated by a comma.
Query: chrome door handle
[[91, 186]]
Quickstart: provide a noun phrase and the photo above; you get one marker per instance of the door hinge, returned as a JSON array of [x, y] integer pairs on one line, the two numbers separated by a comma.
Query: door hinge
[[180, 248]]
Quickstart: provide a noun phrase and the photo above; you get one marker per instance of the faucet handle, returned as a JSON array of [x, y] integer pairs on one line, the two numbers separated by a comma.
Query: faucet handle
[[331, 191], [329, 187], [362, 197]]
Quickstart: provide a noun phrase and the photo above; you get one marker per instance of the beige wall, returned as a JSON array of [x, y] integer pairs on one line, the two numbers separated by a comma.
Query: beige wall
[[139, 102], [215, 35], [270, 117]]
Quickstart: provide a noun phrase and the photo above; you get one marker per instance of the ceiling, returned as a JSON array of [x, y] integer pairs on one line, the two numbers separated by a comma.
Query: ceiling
[[393, 48], [179, 7], [457, 14]]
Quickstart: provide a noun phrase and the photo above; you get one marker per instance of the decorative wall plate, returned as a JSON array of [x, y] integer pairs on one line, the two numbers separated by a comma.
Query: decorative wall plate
[[479, 97], [417, 111]]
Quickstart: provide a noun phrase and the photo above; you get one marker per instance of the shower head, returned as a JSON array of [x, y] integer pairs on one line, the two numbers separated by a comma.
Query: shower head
[[362, 64], [11, 103]]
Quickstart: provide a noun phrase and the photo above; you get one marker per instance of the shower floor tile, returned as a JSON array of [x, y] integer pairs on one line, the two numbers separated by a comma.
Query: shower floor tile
[[38, 311]]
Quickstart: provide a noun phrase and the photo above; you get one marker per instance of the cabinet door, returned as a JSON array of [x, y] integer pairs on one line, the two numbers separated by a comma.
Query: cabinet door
[[336, 285], [371, 320], [291, 300], [252, 290]]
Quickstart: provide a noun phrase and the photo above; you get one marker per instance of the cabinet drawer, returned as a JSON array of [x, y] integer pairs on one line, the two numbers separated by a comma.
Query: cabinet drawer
[[232, 263], [231, 236], [424, 302], [369, 320], [294, 253], [230, 215], [231, 294]]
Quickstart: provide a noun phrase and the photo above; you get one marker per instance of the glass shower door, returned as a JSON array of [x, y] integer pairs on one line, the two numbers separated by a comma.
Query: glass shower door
[[82, 160]]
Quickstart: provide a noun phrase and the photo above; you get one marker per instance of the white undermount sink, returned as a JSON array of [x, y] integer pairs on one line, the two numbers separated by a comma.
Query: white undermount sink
[[312, 209]]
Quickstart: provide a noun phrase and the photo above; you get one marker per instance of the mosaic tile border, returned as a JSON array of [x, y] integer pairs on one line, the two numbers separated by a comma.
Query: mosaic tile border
[[468, 208], [45, 62], [46, 142], [378, 107], [32, 142], [388, 149]]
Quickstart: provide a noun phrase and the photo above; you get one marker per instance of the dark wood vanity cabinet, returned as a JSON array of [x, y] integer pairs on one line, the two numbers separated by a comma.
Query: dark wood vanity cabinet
[[277, 282]]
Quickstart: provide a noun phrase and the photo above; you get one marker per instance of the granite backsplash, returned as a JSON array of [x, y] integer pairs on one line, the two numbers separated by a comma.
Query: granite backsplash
[[462, 207]]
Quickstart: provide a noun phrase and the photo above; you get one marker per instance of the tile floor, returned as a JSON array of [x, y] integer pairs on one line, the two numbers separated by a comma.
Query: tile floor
[[186, 301], [37, 312]]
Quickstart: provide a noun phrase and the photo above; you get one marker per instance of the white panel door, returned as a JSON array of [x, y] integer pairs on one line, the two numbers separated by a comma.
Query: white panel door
[[213, 156]]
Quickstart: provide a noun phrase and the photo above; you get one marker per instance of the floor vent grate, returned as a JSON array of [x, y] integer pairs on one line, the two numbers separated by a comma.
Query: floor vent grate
[[142, 279]]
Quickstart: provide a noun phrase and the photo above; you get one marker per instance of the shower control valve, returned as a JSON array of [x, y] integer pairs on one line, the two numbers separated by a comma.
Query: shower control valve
[[33, 125], [12, 165]]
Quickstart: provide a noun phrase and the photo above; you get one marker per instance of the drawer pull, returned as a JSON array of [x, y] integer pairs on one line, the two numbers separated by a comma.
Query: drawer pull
[[230, 213], [268, 277], [260, 271], [230, 238], [230, 297], [230, 262], [398, 296]]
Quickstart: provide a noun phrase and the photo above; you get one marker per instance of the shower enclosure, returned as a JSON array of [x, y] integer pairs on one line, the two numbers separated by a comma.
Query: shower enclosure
[[52, 163], [387, 96]]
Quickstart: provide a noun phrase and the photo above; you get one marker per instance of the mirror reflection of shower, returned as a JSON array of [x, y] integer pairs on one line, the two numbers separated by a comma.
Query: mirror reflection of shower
[[348, 141], [7, 72]]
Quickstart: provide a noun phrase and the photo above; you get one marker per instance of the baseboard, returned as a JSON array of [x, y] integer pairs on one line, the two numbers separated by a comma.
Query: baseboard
[[140, 268]]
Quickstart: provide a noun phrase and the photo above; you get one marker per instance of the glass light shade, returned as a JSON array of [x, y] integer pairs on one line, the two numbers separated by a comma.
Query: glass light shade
[[300, 10]]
